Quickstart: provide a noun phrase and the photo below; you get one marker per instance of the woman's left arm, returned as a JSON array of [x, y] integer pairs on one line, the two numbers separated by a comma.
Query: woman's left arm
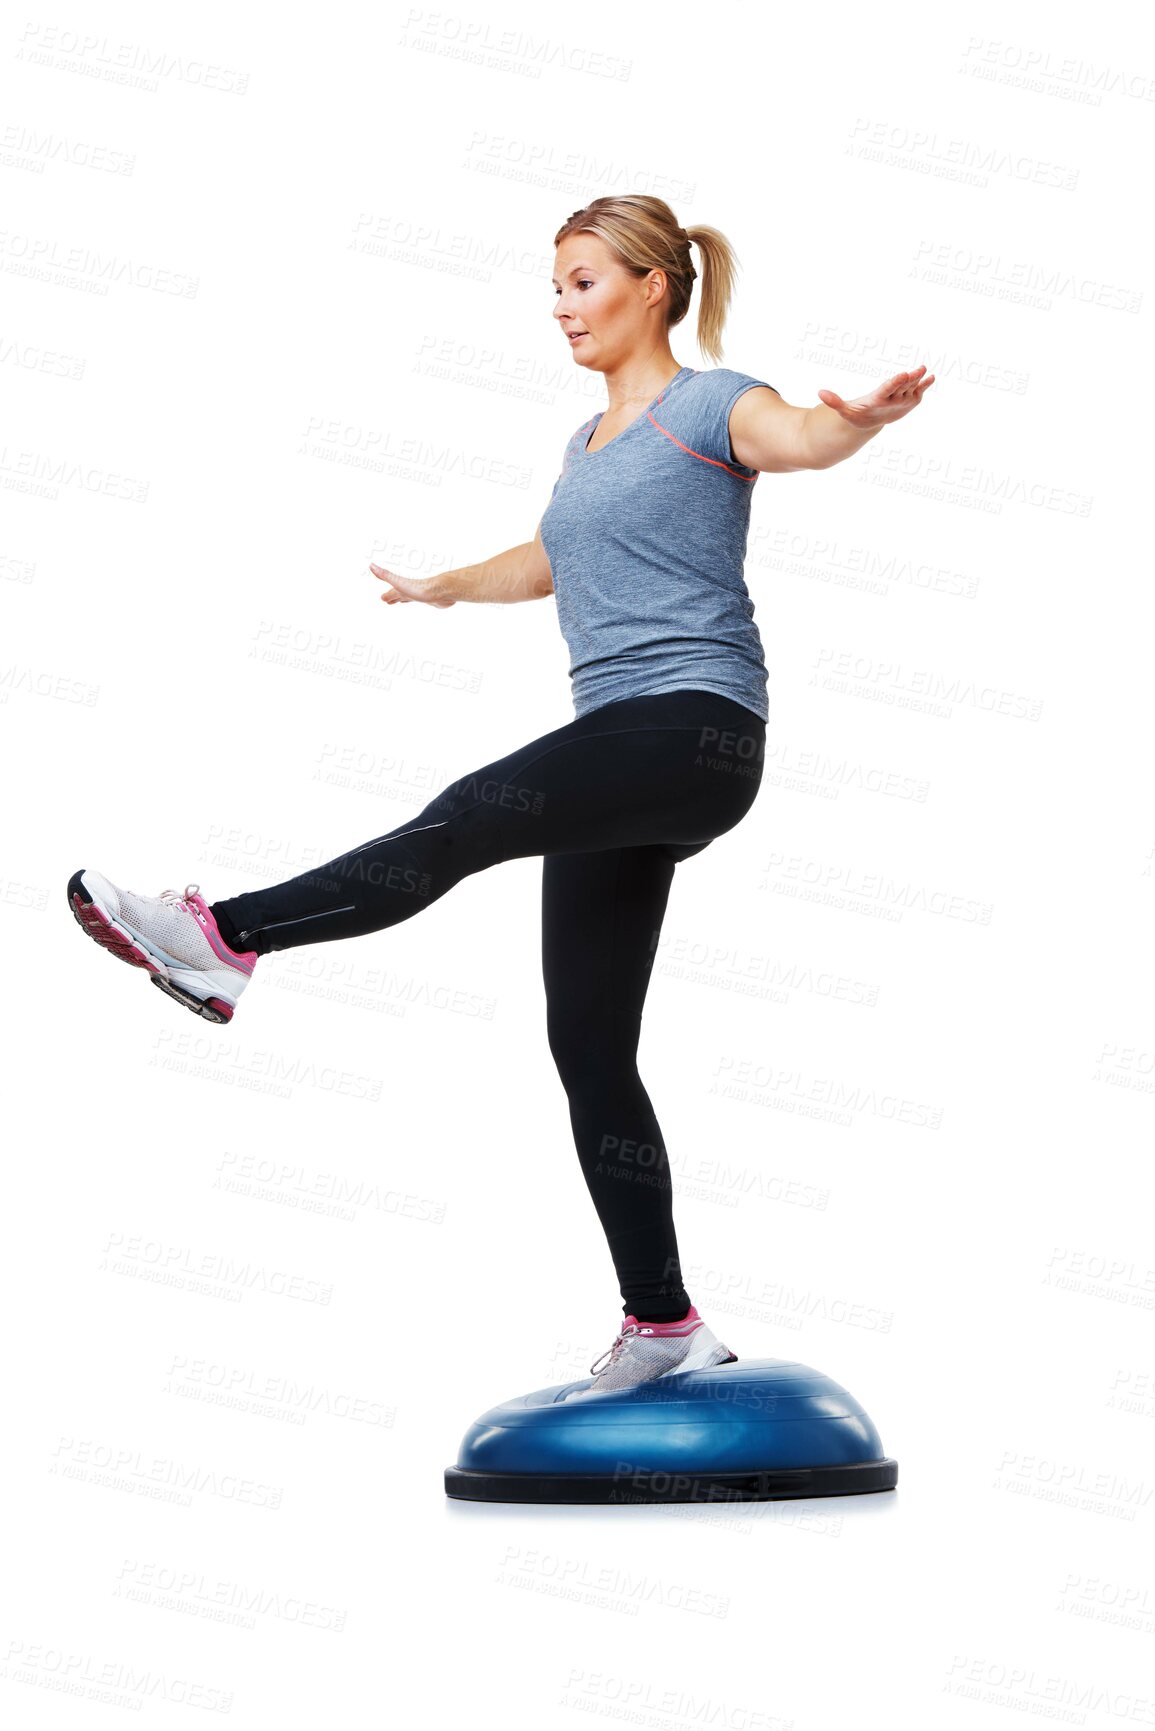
[[773, 436]]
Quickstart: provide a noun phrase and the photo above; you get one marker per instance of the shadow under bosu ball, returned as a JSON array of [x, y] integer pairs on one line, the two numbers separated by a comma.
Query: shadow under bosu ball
[[742, 1432]]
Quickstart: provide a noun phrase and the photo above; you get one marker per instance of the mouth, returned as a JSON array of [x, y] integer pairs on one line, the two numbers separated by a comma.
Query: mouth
[[572, 336]]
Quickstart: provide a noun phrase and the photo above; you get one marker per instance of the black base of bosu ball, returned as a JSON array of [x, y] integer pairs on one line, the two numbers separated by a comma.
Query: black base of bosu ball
[[744, 1432]]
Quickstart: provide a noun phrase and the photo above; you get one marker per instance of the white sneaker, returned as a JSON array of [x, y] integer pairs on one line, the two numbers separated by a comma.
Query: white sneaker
[[645, 1351], [174, 936]]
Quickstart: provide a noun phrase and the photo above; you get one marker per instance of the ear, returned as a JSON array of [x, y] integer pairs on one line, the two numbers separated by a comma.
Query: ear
[[655, 286]]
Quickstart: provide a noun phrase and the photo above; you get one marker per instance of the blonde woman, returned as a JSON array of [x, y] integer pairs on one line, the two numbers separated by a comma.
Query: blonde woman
[[642, 544]]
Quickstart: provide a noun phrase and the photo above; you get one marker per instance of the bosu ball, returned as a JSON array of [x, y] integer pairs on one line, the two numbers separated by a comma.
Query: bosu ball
[[744, 1432]]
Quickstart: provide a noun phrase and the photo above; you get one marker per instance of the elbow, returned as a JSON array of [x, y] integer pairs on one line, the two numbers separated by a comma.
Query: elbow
[[809, 452]]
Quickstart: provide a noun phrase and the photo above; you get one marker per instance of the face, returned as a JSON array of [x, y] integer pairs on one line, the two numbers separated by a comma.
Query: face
[[596, 295]]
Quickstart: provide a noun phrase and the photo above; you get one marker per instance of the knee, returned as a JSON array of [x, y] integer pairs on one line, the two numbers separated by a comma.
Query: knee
[[591, 1049], [564, 1044]]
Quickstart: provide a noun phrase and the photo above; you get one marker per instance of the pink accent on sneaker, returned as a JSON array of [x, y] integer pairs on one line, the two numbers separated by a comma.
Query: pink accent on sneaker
[[246, 960], [685, 1325], [118, 943]]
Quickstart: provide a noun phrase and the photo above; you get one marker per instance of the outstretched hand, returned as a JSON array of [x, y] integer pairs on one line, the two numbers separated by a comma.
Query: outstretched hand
[[409, 588], [889, 401]]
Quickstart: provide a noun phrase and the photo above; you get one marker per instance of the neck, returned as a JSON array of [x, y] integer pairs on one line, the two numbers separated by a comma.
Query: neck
[[638, 379]]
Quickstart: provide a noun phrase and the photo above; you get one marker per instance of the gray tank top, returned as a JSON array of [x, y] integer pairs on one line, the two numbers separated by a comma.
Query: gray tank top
[[646, 540]]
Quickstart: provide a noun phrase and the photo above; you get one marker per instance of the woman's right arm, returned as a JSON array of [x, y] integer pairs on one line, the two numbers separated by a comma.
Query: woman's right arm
[[519, 574]]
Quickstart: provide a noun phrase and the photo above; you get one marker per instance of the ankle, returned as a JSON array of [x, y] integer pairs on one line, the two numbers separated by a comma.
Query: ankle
[[664, 1318], [225, 927]]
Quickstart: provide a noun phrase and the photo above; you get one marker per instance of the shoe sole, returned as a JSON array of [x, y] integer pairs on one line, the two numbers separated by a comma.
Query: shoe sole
[[704, 1358], [130, 946]]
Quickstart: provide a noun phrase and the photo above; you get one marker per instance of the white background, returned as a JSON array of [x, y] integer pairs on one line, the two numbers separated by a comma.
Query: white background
[[276, 302]]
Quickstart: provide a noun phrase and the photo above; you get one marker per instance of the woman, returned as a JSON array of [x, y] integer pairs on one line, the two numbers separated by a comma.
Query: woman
[[643, 543]]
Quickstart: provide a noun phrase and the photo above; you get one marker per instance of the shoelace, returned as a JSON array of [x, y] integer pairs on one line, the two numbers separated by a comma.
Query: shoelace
[[614, 1352], [178, 900]]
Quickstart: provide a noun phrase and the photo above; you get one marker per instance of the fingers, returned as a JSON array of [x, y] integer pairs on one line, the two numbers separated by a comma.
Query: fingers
[[391, 595], [902, 382]]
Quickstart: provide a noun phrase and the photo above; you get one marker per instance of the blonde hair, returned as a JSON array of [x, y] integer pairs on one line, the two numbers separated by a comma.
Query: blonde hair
[[645, 235]]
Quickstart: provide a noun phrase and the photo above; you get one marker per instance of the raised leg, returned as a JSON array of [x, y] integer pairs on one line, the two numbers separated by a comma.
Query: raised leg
[[676, 768]]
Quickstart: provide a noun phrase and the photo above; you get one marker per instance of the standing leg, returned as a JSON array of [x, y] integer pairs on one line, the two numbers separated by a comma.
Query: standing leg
[[601, 916]]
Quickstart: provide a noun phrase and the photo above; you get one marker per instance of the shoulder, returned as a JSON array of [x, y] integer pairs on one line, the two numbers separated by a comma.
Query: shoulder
[[723, 383], [698, 413]]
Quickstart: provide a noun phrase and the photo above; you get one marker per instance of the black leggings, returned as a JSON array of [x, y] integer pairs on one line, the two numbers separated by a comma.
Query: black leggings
[[612, 801]]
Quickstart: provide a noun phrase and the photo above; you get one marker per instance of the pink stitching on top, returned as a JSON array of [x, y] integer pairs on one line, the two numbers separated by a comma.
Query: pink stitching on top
[[719, 465], [729, 468]]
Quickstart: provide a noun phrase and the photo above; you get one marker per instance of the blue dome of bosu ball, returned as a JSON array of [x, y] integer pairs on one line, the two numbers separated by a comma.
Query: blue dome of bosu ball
[[743, 1432]]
